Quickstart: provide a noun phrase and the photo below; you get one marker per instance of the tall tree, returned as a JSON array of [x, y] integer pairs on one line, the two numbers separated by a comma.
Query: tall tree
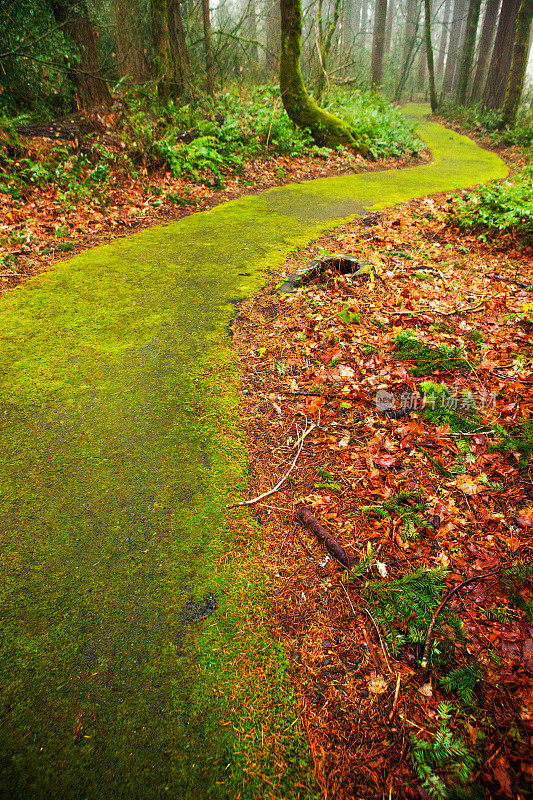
[[467, 59], [208, 47], [515, 83], [429, 55], [91, 88], [325, 128], [502, 53], [454, 45], [131, 57], [409, 45], [443, 42], [273, 26], [161, 63], [378, 42], [364, 22], [178, 46], [325, 39], [486, 41]]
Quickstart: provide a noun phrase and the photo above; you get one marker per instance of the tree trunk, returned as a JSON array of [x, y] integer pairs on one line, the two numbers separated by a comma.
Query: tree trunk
[[409, 45], [388, 29], [325, 39], [91, 88], [378, 42], [178, 46], [515, 84], [429, 55], [485, 46], [325, 128], [364, 22], [209, 61], [443, 44], [161, 65], [465, 70], [422, 66], [502, 53], [273, 26], [131, 58], [454, 46]]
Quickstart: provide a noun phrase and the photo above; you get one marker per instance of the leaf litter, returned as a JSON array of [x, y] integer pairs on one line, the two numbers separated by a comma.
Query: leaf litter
[[415, 473]]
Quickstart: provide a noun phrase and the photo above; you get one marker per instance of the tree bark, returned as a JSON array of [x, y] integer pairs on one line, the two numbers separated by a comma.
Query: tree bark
[[502, 53], [409, 45], [161, 64], [429, 55], [178, 46], [465, 70], [517, 75], [325, 128], [443, 43], [378, 42], [364, 23], [486, 41], [90, 86], [388, 29], [273, 26], [454, 46], [131, 58], [208, 47]]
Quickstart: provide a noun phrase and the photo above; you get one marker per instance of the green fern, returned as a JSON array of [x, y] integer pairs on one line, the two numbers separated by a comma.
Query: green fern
[[445, 754], [404, 607], [403, 506], [427, 357], [518, 440], [440, 408], [462, 680]]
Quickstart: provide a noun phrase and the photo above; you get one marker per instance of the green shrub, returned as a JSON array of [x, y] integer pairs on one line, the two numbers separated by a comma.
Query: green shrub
[[404, 505], [440, 408], [499, 208], [463, 680]]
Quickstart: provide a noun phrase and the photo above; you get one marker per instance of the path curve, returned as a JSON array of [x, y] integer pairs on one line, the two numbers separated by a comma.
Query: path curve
[[119, 429]]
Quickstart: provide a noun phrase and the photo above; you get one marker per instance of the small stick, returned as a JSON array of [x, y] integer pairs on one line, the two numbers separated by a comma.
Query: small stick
[[448, 597], [307, 518], [396, 693], [279, 484]]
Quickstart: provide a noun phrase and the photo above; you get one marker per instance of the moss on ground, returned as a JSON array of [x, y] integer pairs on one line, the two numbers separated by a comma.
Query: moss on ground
[[119, 428]]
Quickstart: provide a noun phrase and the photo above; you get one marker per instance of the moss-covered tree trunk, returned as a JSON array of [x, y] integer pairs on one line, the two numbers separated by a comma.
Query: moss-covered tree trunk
[[467, 59], [378, 42], [325, 128], [91, 88], [178, 46], [515, 83], [161, 63], [429, 55]]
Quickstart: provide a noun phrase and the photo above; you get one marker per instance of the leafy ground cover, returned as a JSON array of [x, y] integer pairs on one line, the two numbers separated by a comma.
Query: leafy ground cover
[[425, 476], [141, 165]]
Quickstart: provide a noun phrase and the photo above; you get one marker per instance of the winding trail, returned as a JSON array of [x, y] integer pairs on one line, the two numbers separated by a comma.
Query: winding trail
[[121, 444]]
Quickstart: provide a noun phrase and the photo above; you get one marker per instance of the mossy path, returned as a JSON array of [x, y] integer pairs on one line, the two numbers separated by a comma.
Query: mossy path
[[121, 446]]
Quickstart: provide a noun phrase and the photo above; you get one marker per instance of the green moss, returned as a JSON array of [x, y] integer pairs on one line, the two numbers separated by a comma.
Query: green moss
[[122, 446]]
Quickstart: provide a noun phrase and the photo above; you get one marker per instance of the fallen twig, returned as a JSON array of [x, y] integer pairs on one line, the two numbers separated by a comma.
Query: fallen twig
[[307, 518], [396, 692], [280, 483], [427, 644]]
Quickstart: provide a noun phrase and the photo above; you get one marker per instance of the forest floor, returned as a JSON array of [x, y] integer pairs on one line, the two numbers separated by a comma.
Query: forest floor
[[312, 364], [323, 363], [44, 227]]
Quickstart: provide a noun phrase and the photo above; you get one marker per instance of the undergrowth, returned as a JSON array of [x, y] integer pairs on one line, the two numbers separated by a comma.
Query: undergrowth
[[518, 440], [426, 357], [445, 762], [202, 143], [498, 208], [403, 607], [440, 407], [407, 506]]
